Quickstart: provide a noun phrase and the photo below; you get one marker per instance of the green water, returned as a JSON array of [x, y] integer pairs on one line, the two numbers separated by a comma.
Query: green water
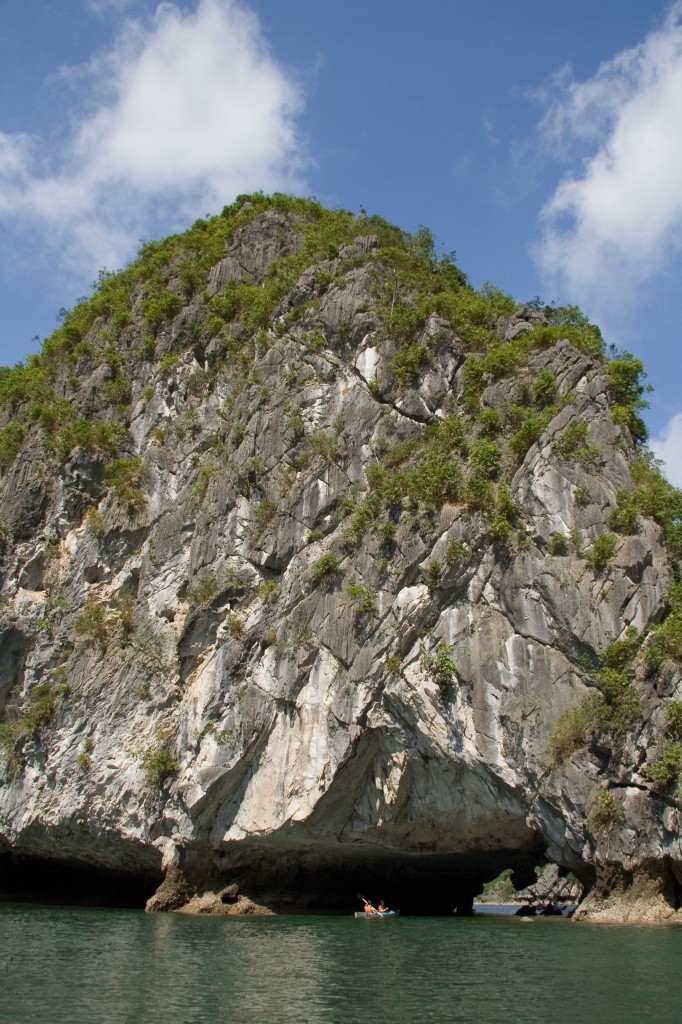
[[124, 967]]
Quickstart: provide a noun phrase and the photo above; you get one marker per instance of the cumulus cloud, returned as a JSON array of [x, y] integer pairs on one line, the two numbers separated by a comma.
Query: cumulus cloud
[[184, 112], [668, 447], [617, 218]]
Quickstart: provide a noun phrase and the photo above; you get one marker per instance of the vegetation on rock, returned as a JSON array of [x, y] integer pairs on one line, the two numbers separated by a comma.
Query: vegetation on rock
[[285, 398]]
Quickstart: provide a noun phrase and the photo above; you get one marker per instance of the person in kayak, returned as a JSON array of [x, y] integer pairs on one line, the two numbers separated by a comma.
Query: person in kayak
[[382, 908], [368, 908]]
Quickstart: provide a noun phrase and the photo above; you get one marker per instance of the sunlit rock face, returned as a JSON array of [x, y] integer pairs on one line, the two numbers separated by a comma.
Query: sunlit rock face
[[293, 631]]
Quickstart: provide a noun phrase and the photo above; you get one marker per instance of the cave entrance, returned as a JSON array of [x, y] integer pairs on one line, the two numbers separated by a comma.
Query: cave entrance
[[330, 881], [30, 879]]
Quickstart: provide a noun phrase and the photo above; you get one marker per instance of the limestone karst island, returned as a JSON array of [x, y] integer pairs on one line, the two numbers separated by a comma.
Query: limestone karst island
[[324, 572]]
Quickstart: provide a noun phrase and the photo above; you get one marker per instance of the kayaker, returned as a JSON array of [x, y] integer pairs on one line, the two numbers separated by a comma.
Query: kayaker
[[382, 908], [369, 909]]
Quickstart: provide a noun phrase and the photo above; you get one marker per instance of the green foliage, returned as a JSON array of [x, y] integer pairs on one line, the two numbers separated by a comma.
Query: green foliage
[[124, 476], [366, 601], [479, 495], [433, 573], [571, 732], [27, 396], [118, 391], [408, 364], [393, 664], [167, 363], [619, 704], [402, 322], [92, 436], [558, 544], [484, 458], [36, 714], [40, 710], [203, 592], [544, 389], [582, 496], [666, 768], [474, 314], [440, 666], [665, 640], [614, 709], [324, 445], [500, 530], [490, 421], [160, 306], [236, 625], [455, 551], [673, 719], [158, 763], [625, 377], [200, 487], [573, 443], [94, 624], [576, 539], [624, 518], [431, 477], [569, 324], [387, 531], [11, 440], [659, 499], [528, 432], [621, 653], [296, 425], [602, 550], [267, 510], [472, 384], [268, 592], [326, 566], [500, 889], [605, 813]]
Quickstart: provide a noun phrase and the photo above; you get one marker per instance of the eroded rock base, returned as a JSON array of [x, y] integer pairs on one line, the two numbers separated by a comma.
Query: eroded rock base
[[647, 893]]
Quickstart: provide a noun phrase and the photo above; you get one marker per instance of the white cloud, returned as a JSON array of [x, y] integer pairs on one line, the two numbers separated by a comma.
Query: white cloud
[[616, 219], [668, 447], [185, 112]]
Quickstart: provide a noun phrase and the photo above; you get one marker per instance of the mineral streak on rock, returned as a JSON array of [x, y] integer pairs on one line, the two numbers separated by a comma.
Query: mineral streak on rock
[[321, 569]]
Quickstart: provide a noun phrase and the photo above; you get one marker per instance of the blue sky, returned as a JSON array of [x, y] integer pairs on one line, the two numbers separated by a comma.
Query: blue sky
[[541, 141]]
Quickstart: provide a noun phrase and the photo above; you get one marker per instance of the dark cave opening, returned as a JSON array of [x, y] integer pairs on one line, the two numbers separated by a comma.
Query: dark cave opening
[[31, 879], [317, 880], [332, 881]]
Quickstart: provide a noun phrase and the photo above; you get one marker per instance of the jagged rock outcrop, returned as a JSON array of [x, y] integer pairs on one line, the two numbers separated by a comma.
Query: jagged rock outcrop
[[311, 554]]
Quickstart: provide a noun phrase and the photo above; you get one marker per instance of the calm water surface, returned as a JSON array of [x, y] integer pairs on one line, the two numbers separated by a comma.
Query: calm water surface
[[74, 966]]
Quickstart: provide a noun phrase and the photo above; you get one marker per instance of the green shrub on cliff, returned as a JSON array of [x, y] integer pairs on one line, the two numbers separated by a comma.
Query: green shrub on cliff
[[625, 376], [602, 550], [327, 565], [158, 763], [94, 623], [28, 721], [571, 731], [124, 477], [666, 768], [605, 813]]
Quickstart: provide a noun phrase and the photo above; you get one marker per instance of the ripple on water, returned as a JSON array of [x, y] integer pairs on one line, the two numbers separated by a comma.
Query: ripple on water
[[75, 966]]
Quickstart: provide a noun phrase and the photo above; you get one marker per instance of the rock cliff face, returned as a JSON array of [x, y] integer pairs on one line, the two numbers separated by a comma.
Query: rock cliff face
[[322, 571]]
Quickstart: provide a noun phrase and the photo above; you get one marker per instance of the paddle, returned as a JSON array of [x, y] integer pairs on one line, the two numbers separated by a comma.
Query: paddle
[[366, 902]]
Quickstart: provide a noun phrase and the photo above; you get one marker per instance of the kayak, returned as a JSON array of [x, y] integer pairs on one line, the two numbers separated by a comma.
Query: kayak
[[388, 913]]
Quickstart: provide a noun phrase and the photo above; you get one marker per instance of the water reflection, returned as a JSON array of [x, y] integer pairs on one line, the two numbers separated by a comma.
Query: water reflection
[[75, 966]]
